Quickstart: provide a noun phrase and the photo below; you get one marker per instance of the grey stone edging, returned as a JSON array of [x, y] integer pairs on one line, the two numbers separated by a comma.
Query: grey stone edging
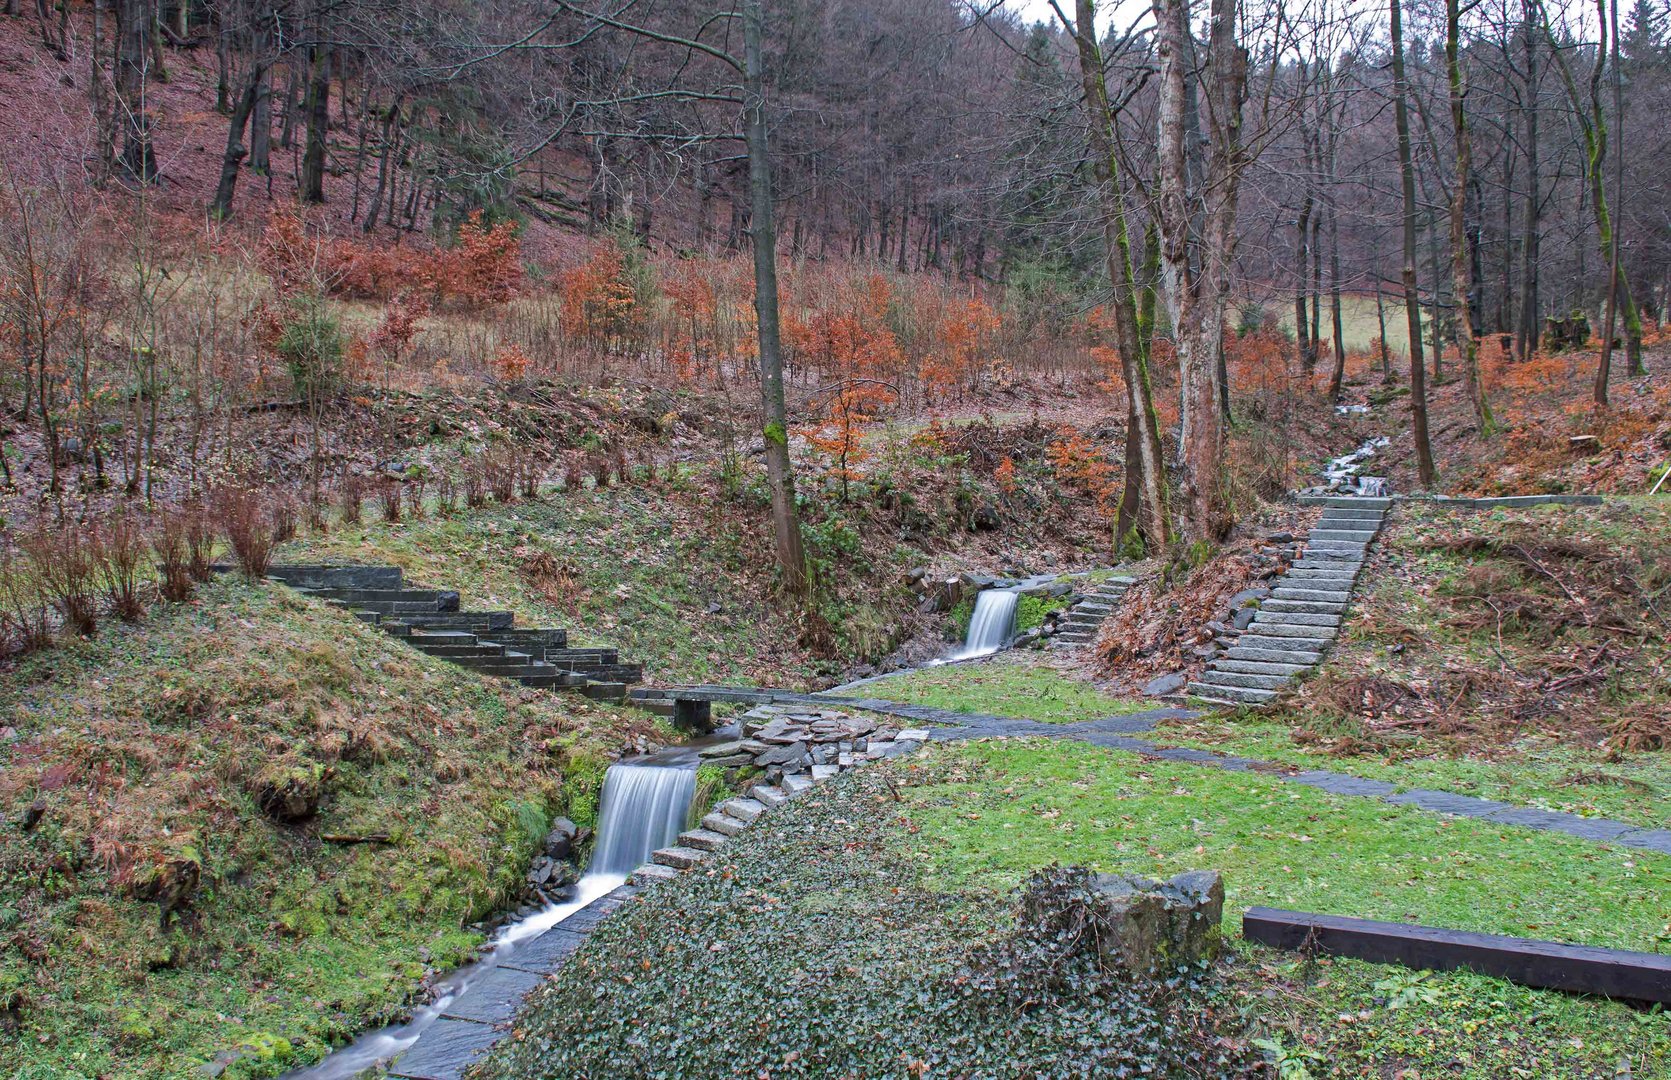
[[1458, 502]]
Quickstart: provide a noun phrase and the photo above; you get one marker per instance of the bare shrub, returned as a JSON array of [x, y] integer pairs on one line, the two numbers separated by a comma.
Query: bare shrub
[[622, 473], [446, 495], [117, 548], [202, 534], [475, 483], [171, 555], [351, 497], [61, 560], [389, 497], [415, 496], [574, 474], [24, 620], [246, 515], [500, 469], [598, 464], [284, 515], [530, 472]]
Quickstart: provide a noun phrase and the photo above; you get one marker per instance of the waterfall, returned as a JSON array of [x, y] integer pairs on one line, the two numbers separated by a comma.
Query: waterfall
[[992, 624], [642, 808]]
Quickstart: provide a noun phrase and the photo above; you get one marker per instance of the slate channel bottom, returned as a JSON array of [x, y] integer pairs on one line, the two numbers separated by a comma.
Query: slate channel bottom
[[481, 1015]]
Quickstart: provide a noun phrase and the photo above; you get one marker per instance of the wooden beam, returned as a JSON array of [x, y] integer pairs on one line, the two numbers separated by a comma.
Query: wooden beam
[[1584, 969]]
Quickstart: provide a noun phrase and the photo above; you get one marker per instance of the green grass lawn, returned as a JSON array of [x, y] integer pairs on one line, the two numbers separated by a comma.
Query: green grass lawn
[[985, 814], [1009, 684]]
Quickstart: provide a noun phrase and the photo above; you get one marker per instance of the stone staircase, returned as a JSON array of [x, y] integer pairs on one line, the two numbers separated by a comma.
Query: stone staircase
[[489, 642], [1079, 626], [1303, 615], [725, 821]]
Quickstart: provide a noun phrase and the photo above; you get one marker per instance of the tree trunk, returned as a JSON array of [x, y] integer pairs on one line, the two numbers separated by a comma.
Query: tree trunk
[[318, 112], [233, 157], [138, 160], [1526, 329], [1412, 298], [780, 475], [1145, 495], [1463, 260], [261, 124]]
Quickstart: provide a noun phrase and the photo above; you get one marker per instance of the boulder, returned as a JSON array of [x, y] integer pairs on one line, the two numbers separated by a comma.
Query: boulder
[[559, 842], [290, 789], [1143, 926], [1161, 685]]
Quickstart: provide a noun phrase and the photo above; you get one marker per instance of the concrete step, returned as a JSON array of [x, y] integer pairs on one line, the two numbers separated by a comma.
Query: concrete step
[[459, 652], [724, 824], [1324, 560], [1275, 643], [744, 810], [679, 858], [795, 783], [1235, 695], [1337, 577], [1314, 607], [1321, 596], [1351, 536], [321, 576], [1259, 667], [1290, 657], [441, 637], [605, 691], [460, 620], [1343, 546], [1358, 502], [651, 872], [703, 839], [1214, 677], [1293, 618]]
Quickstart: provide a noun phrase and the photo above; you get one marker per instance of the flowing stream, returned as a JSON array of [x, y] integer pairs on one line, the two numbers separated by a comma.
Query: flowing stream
[[991, 625], [643, 808]]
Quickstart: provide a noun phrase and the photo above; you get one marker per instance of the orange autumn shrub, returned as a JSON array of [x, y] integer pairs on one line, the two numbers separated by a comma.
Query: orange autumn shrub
[[599, 300], [1080, 465]]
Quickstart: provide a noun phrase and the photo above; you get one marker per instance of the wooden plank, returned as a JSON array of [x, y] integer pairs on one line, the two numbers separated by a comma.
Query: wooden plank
[[1584, 969]]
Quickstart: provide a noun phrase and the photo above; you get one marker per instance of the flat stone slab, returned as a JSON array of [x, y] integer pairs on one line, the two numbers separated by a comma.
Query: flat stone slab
[[1342, 784], [1448, 802], [1572, 824], [724, 824], [1652, 839], [679, 858], [445, 1050], [547, 952], [494, 997], [744, 810]]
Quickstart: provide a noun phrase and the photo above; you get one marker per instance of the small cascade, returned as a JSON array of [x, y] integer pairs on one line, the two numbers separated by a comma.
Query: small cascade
[[643, 808], [992, 624]]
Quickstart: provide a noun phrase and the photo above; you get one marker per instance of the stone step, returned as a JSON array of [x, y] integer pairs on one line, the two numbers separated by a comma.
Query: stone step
[[1372, 526], [1292, 657], [1077, 616], [1314, 607], [1341, 577], [605, 691], [1351, 536], [1359, 502], [1281, 630], [457, 652], [371, 617], [1324, 560], [519, 671], [703, 839], [1259, 667], [679, 858], [1321, 596], [1235, 695], [1293, 618], [724, 824], [1343, 546], [1085, 607], [651, 872], [460, 620], [441, 637], [572, 658], [1214, 677], [743, 809], [795, 783], [321, 576], [768, 796], [1274, 643], [542, 682]]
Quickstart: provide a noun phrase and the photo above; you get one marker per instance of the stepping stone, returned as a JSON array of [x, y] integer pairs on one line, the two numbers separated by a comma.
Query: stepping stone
[[703, 839], [1259, 667], [767, 795], [1308, 607], [679, 858], [744, 810], [1214, 677], [724, 824], [1294, 658], [1287, 592], [1231, 694], [652, 872], [915, 734], [445, 1050], [1294, 618]]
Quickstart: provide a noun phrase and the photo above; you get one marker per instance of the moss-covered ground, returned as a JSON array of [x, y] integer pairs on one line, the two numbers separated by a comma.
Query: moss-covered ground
[[154, 914]]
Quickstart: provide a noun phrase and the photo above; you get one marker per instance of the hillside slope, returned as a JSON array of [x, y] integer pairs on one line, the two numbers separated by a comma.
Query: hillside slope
[[253, 824]]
